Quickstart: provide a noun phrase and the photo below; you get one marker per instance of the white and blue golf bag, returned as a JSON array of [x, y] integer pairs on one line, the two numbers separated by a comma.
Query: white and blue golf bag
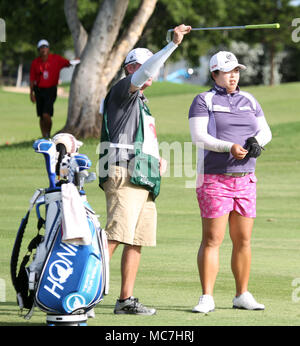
[[69, 272]]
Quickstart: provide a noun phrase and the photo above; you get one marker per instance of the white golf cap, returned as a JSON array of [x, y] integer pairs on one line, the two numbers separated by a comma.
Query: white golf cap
[[225, 62], [42, 43], [139, 55]]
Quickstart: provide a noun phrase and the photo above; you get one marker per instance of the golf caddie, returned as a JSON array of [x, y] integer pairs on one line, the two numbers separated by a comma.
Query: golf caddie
[[130, 167]]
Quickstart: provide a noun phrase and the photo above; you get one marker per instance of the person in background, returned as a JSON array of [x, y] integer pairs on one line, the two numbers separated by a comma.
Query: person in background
[[229, 128], [44, 75]]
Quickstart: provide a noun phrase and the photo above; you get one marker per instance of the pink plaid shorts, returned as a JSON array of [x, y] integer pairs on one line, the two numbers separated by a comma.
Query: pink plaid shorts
[[219, 194]]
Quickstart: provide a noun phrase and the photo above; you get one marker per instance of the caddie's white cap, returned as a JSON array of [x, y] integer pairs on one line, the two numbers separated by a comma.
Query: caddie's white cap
[[42, 43], [139, 55], [225, 62]]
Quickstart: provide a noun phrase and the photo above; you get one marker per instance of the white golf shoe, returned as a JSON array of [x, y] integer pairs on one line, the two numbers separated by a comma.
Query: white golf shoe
[[246, 301], [205, 305]]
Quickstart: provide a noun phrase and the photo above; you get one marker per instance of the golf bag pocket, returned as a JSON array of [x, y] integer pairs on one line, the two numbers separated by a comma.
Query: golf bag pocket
[[74, 277]]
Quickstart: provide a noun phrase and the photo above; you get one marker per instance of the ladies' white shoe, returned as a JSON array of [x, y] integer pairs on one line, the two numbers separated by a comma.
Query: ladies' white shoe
[[246, 301], [205, 305]]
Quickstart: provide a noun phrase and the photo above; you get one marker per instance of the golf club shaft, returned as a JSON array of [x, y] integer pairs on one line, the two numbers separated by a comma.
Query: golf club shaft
[[240, 27]]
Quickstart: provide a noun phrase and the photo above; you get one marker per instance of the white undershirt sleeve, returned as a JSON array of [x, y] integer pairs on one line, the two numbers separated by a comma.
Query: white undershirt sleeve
[[151, 67], [264, 134], [201, 138]]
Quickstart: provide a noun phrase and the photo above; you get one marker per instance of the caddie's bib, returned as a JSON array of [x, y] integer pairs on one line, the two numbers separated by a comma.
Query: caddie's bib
[[145, 170], [144, 167], [150, 144]]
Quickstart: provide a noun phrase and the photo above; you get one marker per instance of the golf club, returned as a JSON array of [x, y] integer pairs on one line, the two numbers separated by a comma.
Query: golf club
[[240, 27], [78, 164]]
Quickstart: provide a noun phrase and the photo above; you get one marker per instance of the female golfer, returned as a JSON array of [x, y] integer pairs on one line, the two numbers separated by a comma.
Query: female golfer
[[229, 128]]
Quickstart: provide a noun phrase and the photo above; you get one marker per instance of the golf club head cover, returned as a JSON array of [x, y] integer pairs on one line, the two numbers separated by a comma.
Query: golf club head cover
[[254, 149], [48, 149], [71, 144]]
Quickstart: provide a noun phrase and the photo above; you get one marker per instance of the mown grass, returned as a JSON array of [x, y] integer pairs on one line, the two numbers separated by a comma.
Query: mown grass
[[168, 277]]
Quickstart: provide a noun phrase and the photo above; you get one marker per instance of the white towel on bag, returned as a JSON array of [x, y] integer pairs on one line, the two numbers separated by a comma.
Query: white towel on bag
[[75, 227]]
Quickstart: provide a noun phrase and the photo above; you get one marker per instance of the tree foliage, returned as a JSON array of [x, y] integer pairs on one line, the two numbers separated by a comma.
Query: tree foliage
[[102, 52], [211, 13], [29, 21], [33, 20]]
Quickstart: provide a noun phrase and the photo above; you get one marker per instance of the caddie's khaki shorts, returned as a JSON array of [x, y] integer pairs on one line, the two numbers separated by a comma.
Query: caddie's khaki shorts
[[131, 212]]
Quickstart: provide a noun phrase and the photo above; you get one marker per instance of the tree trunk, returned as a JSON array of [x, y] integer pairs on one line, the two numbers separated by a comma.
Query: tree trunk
[[101, 59], [78, 32], [19, 75]]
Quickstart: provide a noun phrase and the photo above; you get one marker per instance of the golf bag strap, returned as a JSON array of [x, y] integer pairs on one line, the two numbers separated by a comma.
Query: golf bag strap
[[35, 197], [30, 313], [16, 251], [19, 238], [31, 280], [20, 301]]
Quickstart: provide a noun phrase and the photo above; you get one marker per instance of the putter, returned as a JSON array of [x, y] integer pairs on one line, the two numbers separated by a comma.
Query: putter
[[240, 27], [48, 149]]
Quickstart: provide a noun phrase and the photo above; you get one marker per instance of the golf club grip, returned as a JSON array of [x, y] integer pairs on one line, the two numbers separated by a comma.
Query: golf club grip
[[263, 26]]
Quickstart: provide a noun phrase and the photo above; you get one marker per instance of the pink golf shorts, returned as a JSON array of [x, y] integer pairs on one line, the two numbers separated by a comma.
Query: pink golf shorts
[[220, 194]]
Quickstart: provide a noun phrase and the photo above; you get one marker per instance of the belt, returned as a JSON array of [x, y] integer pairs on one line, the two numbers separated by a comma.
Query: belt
[[238, 174]]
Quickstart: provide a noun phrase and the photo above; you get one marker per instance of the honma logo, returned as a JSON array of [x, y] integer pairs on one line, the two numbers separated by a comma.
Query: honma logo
[[60, 270], [75, 301]]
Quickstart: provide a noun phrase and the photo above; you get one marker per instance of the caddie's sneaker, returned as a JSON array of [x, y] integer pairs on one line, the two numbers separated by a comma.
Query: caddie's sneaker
[[132, 306], [205, 305], [246, 301]]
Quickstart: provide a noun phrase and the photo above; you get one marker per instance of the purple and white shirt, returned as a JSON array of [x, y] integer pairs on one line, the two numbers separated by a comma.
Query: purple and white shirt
[[230, 118]]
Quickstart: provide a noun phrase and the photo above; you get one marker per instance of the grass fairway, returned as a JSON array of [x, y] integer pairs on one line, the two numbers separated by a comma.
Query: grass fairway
[[168, 277]]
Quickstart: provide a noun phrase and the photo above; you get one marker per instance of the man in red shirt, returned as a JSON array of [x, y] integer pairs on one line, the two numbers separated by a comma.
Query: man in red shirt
[[44, 75]]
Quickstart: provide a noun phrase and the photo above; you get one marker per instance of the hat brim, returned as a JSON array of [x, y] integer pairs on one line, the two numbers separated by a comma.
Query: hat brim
[[232, 66], [136, 61]]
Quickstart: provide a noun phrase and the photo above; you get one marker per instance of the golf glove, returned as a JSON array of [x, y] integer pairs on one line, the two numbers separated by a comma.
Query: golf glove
[[254, 149]]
